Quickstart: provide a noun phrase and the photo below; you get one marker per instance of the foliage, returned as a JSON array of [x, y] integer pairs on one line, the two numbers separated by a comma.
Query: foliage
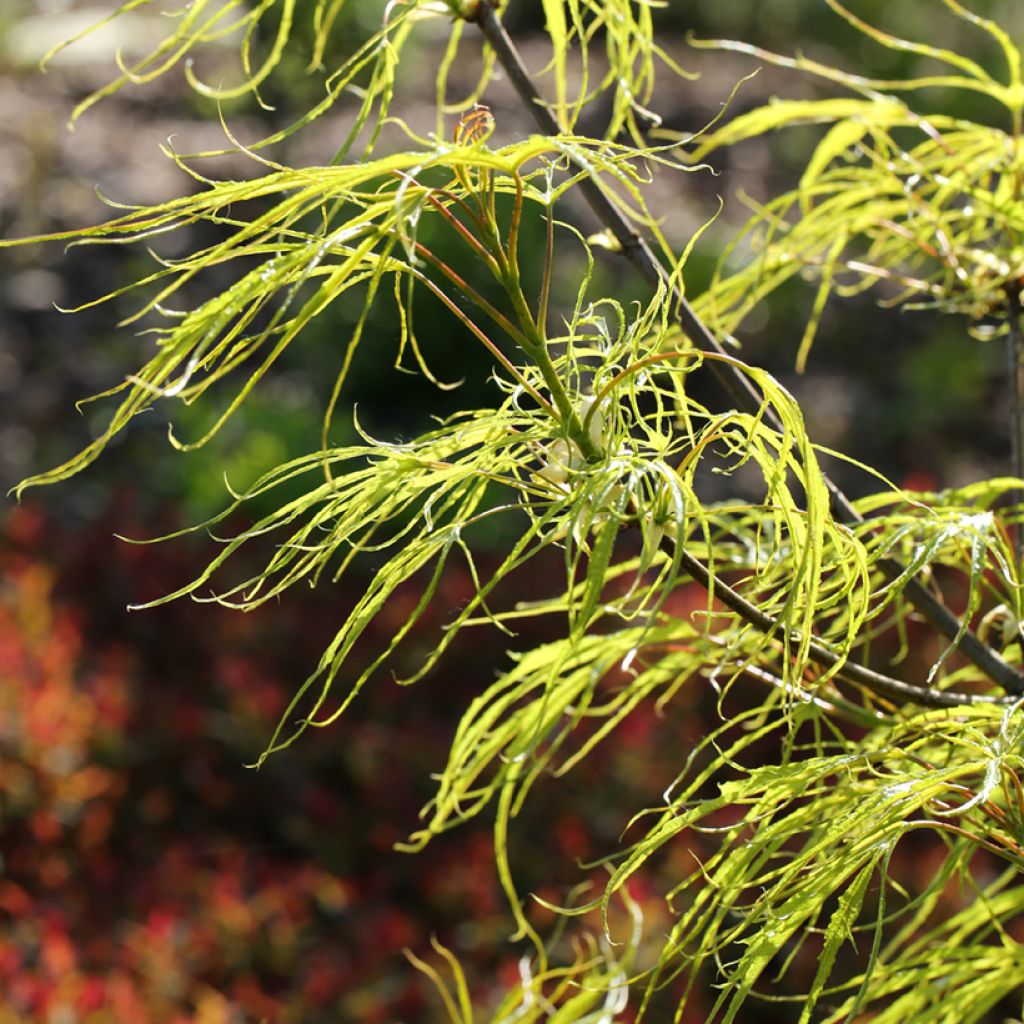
[[602, 445], [891, 194], [149, 875], [100, 922]]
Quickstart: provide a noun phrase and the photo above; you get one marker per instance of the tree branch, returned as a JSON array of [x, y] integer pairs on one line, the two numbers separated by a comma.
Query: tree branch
[[851, 672], [739, 388], [832, 702]]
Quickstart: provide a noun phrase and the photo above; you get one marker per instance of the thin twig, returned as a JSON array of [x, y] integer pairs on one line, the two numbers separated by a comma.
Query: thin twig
[[851, 672], [832, 702], [739, 387]]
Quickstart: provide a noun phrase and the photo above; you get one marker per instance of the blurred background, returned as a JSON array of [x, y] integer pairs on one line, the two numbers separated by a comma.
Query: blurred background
[[146, 874]]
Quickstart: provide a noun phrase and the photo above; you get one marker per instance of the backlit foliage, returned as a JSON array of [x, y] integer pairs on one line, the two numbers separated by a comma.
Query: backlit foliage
[[599, 445]]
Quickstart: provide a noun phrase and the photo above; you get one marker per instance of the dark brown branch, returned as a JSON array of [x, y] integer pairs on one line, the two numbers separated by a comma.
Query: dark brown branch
[[738, 386], [828, 700], [851, 672]]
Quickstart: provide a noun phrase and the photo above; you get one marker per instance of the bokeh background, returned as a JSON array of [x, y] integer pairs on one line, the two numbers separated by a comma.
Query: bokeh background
[[147, 874]]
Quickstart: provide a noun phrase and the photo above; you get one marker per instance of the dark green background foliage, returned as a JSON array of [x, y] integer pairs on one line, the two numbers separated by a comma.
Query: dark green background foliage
[[736, 805]]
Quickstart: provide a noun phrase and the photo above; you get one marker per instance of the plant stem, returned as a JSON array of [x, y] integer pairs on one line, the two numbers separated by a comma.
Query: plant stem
[[633, 245], [470, 292], [536, 348], [500, 356], [531, 336], [739, 388]]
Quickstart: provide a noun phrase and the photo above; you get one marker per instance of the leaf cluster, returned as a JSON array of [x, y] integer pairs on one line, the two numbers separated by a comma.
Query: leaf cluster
[[602, 446]]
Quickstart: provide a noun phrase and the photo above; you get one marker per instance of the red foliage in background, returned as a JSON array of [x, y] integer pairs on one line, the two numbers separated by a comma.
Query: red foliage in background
[[149, 876]]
